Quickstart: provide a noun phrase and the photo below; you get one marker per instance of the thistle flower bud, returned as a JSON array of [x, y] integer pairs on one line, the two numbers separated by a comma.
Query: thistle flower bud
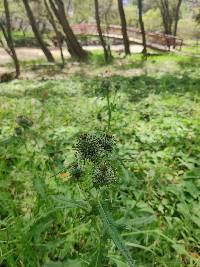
[[24, 122], [76, 171], [105, 88], [18, 131], [103, 175], [106, 84]]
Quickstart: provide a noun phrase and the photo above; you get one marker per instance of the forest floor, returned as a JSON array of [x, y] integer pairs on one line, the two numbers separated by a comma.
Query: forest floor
[[25, 53], [153, 113]]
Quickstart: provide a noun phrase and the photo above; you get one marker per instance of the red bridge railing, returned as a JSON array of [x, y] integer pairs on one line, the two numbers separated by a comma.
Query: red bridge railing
[[113, 31]]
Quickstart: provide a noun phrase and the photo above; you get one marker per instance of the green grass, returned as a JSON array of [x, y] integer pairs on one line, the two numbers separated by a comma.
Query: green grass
[[192, 47], [47, 221]]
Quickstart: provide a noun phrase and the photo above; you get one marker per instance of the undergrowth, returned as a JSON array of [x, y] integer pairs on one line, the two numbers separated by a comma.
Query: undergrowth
[[136, 202]]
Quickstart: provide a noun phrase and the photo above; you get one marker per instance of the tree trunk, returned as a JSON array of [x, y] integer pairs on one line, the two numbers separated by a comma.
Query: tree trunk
[[75, 49], [98, 22], [124, 27], [8, 37], [140, 8], [166, 16], [177, 19], [32, 21], [58, 34]]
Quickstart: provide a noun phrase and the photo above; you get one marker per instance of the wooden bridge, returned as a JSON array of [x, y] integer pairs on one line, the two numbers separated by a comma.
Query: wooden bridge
[[155, 40]]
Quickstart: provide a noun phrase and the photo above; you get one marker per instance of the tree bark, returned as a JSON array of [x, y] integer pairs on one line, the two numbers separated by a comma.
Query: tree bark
[[98, 22], [8, 37], [58, 34], [75, 49], [140, 9], [32, 21], [124, 27], [166, 16], [177, 16]]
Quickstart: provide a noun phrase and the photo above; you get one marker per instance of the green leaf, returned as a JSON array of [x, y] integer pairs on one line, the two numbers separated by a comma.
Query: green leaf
[[54, 264], [108, 223], [138, 246], [196, 220], [97, 258], [119, 263], [39, 186], [61, 200], [69, 263], [180, 249]]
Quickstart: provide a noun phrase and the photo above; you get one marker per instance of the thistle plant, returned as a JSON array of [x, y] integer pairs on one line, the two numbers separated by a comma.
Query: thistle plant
[[95, 174], [108, 91], [88, 147], [23, 125], [24, 122], [103, 174], [76, 171], [92, 152]]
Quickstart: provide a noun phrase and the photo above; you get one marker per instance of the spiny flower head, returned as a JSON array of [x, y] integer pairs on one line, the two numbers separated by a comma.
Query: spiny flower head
[[103, 175], [88, 147], [24, 122], [107, 142]]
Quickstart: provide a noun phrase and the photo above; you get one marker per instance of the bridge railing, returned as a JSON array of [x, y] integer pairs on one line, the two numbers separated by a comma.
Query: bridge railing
[[113, 31]]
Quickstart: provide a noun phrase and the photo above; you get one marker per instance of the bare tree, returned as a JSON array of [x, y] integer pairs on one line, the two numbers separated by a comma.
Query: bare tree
[[6, 30], [124, 27], [74, 47], [140, 9], [98, 22], [58, 34], [38, 36]]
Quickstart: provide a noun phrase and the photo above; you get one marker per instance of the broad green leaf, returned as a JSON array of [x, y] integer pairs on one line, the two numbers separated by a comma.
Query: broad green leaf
[[180, 249]]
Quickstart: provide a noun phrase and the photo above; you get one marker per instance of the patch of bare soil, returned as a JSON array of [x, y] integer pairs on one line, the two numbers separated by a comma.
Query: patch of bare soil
[[25, 53], [51, 71]]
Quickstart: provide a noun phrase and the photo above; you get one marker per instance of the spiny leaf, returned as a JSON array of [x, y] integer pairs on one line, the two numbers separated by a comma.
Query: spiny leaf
[[62, 201], [112, 231]]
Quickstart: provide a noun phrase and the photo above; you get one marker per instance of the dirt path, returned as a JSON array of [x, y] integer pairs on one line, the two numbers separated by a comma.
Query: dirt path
[[25, 53]]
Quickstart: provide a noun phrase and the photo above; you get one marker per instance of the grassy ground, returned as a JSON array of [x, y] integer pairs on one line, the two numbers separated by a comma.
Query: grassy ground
[[192, 47], [49, 220]]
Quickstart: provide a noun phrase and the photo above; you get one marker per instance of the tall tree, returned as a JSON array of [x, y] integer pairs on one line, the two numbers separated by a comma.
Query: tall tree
[[167, 16], [38, 36], [6, 30], [98, 22], [124, 27], [74, 47], [170, 11], [177, 13], [140, 9], [58, 34]]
